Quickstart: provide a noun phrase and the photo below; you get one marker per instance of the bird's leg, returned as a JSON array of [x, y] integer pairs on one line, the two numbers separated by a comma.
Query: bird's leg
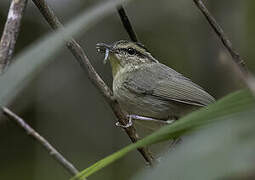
[[143, 118]]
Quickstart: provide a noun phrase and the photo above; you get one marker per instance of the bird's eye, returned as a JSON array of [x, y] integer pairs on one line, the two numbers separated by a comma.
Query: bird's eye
[[131, 51]]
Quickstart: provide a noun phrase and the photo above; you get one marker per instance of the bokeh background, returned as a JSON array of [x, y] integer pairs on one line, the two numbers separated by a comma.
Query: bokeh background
[[68, 110]]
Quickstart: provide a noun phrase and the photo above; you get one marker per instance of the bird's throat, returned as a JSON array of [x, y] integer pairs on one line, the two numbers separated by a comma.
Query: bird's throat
[[116, 66]]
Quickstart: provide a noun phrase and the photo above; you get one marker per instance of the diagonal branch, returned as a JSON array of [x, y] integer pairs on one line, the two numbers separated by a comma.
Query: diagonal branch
[[239, 64], [219, 31], [30, 131], [11, 31], [84, 62], [126, 23]]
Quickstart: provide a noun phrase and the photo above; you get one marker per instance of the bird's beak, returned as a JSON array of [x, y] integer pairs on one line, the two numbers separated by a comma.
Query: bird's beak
[[105, 48]]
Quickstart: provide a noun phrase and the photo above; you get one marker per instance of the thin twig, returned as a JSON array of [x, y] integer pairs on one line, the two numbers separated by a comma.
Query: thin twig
[[11, 31], [7, 46], [239, 64], [126, 23], [219, 31], [30, 131], [84, 62]]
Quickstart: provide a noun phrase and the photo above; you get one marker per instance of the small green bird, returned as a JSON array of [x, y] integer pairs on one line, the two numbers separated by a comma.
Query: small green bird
[[148, 90]]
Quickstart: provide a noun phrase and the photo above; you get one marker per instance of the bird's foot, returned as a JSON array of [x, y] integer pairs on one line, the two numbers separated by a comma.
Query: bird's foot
[[129, 124]]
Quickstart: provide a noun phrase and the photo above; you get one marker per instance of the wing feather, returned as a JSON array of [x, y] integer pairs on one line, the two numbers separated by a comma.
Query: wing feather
[[162, 82]]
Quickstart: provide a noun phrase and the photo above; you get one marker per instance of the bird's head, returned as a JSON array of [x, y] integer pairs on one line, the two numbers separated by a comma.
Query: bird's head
[[123, 54]]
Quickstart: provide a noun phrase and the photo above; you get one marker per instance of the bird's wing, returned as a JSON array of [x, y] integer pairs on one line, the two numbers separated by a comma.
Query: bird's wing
[[164, 83]]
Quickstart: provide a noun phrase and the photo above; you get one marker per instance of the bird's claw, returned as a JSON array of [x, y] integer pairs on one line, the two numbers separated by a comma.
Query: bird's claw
[[129, 124]]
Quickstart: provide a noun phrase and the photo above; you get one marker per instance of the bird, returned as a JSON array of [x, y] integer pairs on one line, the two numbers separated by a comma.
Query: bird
[[148, 91]]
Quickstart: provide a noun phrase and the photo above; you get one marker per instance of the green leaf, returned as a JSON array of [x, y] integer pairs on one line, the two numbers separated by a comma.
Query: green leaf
[[38, 55], [229, 105], [224, 150]]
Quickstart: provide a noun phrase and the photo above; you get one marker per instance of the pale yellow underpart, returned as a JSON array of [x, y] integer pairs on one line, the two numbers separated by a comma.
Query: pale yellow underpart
[[115, 63]]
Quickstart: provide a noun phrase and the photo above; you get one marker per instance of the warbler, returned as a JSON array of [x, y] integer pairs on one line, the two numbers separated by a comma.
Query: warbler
[[148, 90]]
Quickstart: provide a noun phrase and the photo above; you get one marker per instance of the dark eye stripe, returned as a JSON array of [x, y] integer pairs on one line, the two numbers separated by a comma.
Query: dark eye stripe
[[137, 53]]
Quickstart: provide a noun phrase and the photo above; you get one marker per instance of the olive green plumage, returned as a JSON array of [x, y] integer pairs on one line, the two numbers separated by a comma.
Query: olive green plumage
[[145, 87]]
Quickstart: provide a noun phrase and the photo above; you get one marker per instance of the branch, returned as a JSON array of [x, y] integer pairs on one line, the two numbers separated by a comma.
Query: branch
[[11, 31], [239, 64], [84, 62], [126, 23], [52, 151], [219, 31]]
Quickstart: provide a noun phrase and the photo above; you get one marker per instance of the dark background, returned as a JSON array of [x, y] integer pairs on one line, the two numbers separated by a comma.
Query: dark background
[[63, 106]]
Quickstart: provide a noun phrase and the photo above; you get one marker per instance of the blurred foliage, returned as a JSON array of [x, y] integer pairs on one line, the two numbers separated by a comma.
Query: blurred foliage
[[222, 151], [67, 109]]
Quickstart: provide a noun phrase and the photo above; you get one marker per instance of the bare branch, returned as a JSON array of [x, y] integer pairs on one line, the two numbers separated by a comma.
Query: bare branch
[[84, 62], [239, 64], [219, 31], [11, 31], [31, 132], [126, 23]]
